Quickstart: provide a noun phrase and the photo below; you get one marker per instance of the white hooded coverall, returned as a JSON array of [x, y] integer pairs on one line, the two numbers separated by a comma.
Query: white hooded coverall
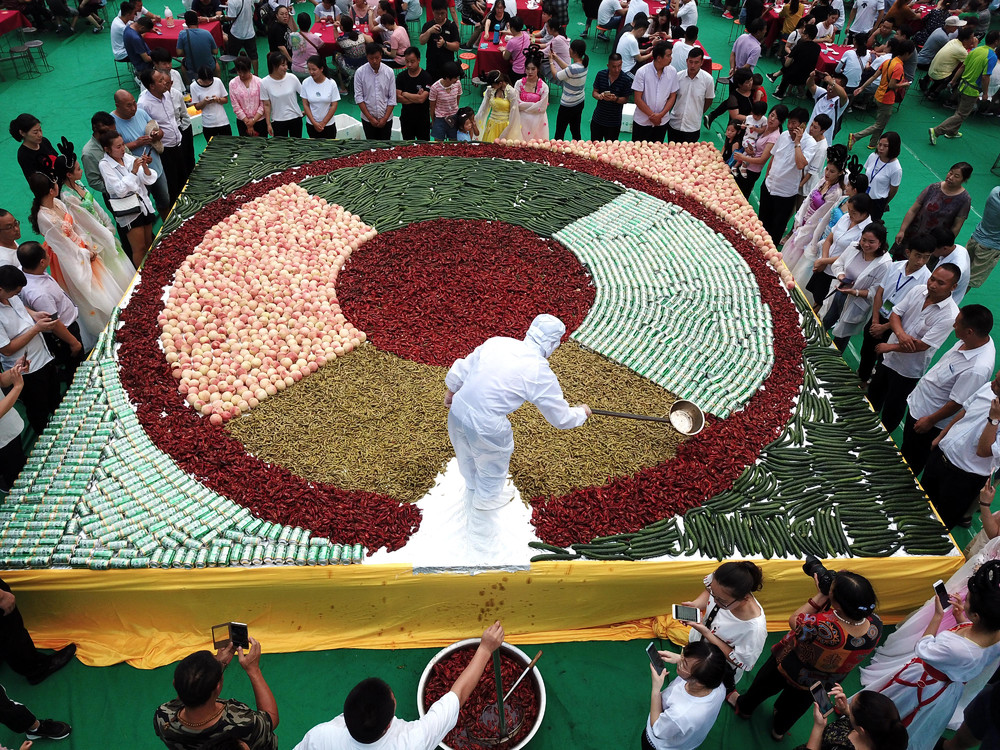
[[496, 379]]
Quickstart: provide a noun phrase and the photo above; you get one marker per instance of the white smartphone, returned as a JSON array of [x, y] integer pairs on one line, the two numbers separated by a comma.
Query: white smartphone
[[942, 593], [689, 614]]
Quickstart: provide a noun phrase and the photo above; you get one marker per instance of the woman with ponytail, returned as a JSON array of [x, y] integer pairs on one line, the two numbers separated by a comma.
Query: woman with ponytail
[[869, 722], [929, 687], [681, 716], [574, 80], [733, 618], [831, 634]]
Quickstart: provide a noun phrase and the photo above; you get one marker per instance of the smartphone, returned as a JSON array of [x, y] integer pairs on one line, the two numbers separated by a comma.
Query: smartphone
[[821, 698], [654, 658], [231, 632], [942, 593], [690, 614]]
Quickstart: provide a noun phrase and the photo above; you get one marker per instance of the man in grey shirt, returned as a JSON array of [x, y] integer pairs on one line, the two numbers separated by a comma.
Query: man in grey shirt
[[375, 94], [938, 38]]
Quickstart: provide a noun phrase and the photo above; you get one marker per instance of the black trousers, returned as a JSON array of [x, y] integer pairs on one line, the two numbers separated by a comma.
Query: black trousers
[[329, 131], [259, 127], [287, 128], [952, 490], [745, 184], [383, 133], [13, 715], [221, 130], [16, 646], [917, 445], [774, 212], [604, 132], [569, 117], [878, 208], [682, 136], [792, 701], [819, 287], [413, 129], [60, 350], [187, 145], [175, 169], [12, 460], [41, 395], [651, 133], [868, 357], [887, 393]]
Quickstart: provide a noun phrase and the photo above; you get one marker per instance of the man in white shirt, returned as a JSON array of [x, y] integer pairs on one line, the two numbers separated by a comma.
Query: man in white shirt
[[865, 16], [964, 456], [370, 707], [21, 342], [829, 98], [156, 102], [791, 154], [687, 15], [634, 8], [955, 377], [123, 19], [946, 251], [242, 37], [920, 323], [678, 60], [655, 88], [10, 233], [607, 13], [695, 92], [812, 175], [628, 45], [375, 94]]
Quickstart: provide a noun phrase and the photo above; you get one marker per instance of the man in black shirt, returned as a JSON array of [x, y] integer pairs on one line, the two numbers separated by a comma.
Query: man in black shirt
[[278, 33], [612, 89], [801, 61], [441, 37], [413, 86]]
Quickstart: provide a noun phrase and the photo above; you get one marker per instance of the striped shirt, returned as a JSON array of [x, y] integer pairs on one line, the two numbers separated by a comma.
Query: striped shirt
[[573, 78], [445, 98]]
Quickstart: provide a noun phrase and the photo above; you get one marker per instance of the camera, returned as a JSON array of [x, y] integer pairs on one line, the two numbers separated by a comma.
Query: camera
[[813, 567]]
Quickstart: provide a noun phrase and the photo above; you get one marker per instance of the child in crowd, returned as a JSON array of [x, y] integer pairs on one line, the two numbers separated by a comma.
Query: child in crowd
[[21, 344], [444, 97], [759, 92], [734, 131], [465, 124], [753, 127], [42, 293]]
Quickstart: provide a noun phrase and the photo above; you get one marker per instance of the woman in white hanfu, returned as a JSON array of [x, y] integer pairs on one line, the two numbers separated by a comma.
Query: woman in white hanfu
[[928, 687], [76, 254]]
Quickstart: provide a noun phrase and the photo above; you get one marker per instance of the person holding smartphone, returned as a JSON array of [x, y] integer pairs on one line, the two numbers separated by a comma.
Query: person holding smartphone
[[831, 634], [681, 716], [869, 721], [734, 621]]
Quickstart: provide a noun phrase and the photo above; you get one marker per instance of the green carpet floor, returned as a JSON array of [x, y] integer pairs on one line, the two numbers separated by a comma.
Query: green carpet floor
[[597, 692]]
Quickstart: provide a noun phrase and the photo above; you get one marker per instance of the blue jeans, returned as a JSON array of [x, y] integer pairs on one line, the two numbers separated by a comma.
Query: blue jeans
[[441, 130]]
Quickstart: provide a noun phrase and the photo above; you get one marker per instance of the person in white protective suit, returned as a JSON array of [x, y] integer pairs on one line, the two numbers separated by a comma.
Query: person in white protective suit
[[483, 388]]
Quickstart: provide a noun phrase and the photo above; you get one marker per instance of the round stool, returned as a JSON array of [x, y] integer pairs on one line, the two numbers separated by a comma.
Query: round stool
[[21, 54], [39, 51]]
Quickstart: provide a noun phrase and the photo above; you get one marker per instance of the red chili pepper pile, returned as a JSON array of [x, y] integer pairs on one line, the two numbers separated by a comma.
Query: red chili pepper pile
[[704, 466], [523, 702], [416, 305]]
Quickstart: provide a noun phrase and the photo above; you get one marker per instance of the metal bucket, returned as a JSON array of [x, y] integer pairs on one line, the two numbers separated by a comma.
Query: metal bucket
[[686, 417], [513, 652]]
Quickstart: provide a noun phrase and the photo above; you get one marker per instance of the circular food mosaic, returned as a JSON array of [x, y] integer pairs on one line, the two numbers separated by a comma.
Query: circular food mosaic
[[283, 358]]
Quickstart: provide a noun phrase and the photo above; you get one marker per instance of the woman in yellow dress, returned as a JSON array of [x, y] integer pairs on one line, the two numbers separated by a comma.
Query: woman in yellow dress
[[498, 114]]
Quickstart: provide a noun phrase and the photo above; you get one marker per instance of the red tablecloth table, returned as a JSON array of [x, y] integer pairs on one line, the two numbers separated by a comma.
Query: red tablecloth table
[[532, 17], [167, 37], [329, 33], [489, 56], [830, 55], [11, 20]]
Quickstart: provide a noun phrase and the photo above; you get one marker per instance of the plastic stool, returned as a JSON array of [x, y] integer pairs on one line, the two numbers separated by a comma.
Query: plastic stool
[[225, 61]]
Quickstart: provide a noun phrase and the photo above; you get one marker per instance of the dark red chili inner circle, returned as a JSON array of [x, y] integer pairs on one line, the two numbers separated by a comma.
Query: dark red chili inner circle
[[435, 290]]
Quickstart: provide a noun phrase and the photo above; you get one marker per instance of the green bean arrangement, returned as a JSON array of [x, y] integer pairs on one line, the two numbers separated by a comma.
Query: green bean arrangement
[[833, 485]]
